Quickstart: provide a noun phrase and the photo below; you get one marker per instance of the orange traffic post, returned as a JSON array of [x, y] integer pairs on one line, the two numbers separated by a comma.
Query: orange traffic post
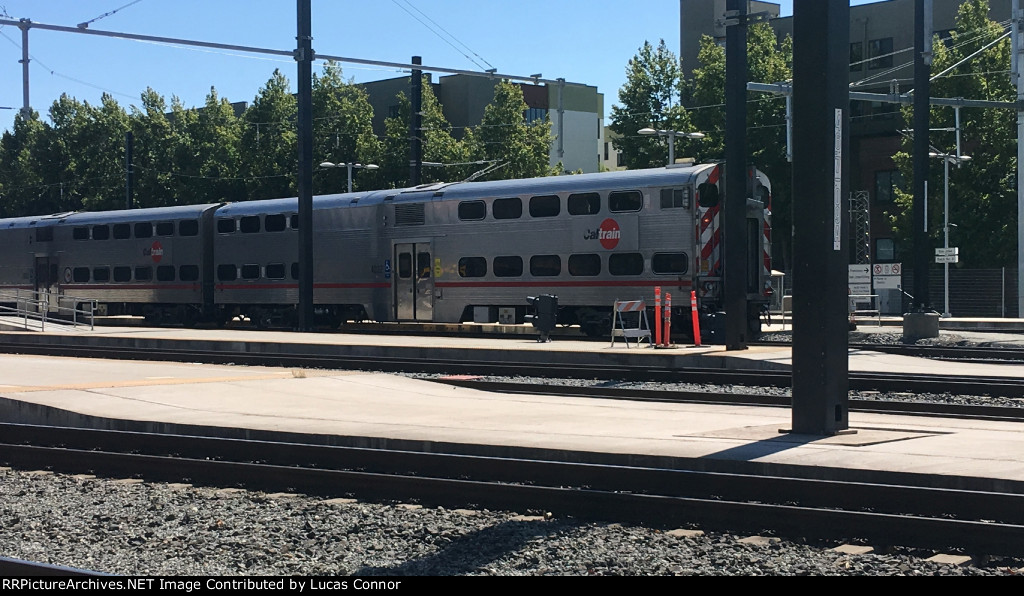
[[657, 316], [696, 319], [667, 335]]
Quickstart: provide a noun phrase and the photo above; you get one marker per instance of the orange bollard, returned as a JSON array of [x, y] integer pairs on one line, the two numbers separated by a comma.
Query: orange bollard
[[667, 334], [696, 321], [657, 316]]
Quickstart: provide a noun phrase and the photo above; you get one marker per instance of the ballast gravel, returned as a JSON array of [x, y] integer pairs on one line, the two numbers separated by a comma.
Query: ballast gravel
[[155, 529]]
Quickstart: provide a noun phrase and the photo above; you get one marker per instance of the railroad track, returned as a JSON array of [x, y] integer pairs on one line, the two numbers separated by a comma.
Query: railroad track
[[453, 362], [903, 408], [884, 514]]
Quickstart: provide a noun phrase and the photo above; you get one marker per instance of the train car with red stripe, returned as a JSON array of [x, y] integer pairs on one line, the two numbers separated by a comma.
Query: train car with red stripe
[[443, 252]]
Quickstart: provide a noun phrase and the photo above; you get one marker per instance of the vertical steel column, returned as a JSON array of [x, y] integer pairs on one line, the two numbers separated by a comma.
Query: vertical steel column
[[129, 170], [416, 126], [1018, 74], [821, 53], [922, 94], [734, 207], [304, 57], [26, 108]]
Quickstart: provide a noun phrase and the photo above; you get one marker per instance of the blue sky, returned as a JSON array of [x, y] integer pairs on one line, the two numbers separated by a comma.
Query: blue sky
[[583, 41]]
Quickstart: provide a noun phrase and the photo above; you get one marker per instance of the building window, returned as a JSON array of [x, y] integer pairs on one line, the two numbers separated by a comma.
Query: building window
[[880, 53], [885, 250], [533, 114], [886, 182], [606, 150], [856, 56]]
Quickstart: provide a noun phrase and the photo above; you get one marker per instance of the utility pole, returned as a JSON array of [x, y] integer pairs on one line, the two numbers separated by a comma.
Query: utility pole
[[129, 170], [922, 94], [416, 126], [26, 108], [1017, 35], [734, 206], [304, 57]]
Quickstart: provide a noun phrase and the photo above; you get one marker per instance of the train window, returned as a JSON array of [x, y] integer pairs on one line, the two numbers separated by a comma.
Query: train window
[[404, 265], [165, 228], [122, 231], [44, 234], [626, 263], [80, 233], [295, 271], [101, 274], [472, 210], [188, 273], [143, 273], [586, 203], [507, 266], [423, 264], [143, 229], [122, 274], [189, 227], [625, 200], [81, 274], [545, 265], [707, 195], [165, 273], [293, 221], [275, 271], [250, 271], [275, 223], [249, 224], [227, 272], [225, 225], [669, 262], [675, 198], [545, 206], [101, 232], [472, 267], [507, 208], [587, 265]]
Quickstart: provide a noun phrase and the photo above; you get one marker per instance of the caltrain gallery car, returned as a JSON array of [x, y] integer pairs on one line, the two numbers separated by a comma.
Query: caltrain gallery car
[[445, 252]]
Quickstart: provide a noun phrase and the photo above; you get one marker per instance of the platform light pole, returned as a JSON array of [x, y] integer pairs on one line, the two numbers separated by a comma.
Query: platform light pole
[[349, 167], [946, 159], [671, 134]]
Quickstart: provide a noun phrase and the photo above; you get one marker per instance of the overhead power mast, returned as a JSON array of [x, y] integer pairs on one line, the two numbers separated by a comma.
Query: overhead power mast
[[734, 206], [821, 54]]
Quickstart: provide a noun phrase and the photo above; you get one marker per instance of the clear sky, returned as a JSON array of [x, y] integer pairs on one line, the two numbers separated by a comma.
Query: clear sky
[[582, 41]]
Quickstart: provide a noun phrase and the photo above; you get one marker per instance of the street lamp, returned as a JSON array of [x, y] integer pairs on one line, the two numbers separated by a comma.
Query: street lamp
[[349, 166], [946, 159], [671, 134]]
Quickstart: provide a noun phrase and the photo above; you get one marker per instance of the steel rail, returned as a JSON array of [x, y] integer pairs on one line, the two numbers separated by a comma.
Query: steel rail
[[902, 515]]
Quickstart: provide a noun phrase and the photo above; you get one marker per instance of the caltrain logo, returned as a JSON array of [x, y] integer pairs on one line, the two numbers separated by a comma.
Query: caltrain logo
[[156, 251], [608, 234]]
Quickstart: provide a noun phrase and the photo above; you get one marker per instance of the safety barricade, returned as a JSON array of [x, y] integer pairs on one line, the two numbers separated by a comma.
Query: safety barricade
[[628, 309]]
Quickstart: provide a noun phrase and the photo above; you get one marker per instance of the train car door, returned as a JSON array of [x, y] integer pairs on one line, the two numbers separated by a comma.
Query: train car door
[[46, 283], [414, 282]]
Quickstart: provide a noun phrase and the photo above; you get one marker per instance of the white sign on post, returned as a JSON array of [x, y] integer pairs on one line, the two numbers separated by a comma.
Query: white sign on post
[[860, 279], [887, 276]]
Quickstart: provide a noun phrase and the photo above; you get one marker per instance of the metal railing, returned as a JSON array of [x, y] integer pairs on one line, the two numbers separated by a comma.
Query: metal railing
[[33, 305]]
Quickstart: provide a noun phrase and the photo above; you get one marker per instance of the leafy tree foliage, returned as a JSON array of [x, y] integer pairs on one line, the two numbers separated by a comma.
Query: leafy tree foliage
[[983, 191], [269, 145], [503, 136], [342, 132], [650, 98]]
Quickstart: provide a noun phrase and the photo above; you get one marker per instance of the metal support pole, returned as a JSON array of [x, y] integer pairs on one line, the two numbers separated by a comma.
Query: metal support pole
[[734, 205], [671, 147], [561, 118], [129, 170], [821, 54], [945, 232], [1018, 73], [304, 57], [922, 94], [348, 167], [26, 108], [415, 126]]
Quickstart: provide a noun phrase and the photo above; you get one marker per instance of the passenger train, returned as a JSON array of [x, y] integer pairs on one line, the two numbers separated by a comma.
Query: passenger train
[[443, 252]]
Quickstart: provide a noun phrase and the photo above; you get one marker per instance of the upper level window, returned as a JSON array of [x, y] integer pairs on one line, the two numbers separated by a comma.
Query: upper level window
[[675, 198], [189, 227], [628, 200], [886, 182], [880, 53], [545, 206], [165, 228], [585, 203], [100, 232], [143, 229], [224, 226], [122, 231], [249, 224], [507, 208], [472, 210], [275, 223], [856, 56]]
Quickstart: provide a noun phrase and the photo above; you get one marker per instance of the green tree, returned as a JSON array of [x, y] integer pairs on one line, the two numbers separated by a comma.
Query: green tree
[[24, 172], [439, 146], [503, 136], [983, 191], [768, 61], [152, 155], [651, 98], [269, 145], [342, 132], [215, 138]]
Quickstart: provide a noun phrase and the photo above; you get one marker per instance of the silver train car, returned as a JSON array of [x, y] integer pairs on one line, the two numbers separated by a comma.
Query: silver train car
[[445, 252]]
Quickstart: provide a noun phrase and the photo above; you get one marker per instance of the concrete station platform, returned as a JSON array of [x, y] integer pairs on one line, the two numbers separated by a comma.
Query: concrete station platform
[[376, 410]]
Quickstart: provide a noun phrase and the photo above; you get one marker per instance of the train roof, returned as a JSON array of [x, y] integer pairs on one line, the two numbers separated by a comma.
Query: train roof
[[106, 217]]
